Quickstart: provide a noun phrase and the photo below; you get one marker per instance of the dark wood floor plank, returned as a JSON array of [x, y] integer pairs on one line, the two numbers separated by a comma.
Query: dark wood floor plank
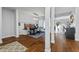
[[33, 44], [38, 45], [64, 45]]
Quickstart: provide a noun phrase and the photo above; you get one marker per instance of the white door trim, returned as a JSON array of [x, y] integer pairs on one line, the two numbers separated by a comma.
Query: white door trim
[[52, 24], [0, 25], [17, 28], [47, 30]]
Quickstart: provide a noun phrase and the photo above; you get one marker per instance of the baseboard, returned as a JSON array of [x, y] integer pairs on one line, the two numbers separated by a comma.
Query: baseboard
[[8, 36], [47, 49], [52, 38], [1, 41], [52, 41], [76, 37]]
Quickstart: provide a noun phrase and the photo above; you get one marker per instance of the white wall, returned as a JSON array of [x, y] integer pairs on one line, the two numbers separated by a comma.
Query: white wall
[[41, 21], [8, 22], [61, 11], [77, 23], [25, 15], [0, 24]]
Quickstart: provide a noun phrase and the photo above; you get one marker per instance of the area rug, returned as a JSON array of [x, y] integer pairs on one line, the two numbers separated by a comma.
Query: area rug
[[37, 35], [13, 47]]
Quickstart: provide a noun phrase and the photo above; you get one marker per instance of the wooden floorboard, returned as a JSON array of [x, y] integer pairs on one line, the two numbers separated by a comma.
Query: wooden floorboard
[[64, 45], [38, 45], [33, 44]]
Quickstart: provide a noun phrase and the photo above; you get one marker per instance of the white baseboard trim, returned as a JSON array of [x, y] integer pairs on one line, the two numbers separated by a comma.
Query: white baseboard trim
[[52, 41], [8, 36], [16, 36], [47, 49], [76, 37], [52, 38], [22, 34], [1, 41]]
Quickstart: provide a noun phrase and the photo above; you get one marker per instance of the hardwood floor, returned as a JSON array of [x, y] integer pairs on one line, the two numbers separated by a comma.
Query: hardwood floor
[[33, 45], [37, 45], [64, 45]]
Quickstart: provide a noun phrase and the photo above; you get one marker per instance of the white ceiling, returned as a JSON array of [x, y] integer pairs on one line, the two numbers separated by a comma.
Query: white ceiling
[[63, 11], [59, 11], [38, 10], [62, 14]]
